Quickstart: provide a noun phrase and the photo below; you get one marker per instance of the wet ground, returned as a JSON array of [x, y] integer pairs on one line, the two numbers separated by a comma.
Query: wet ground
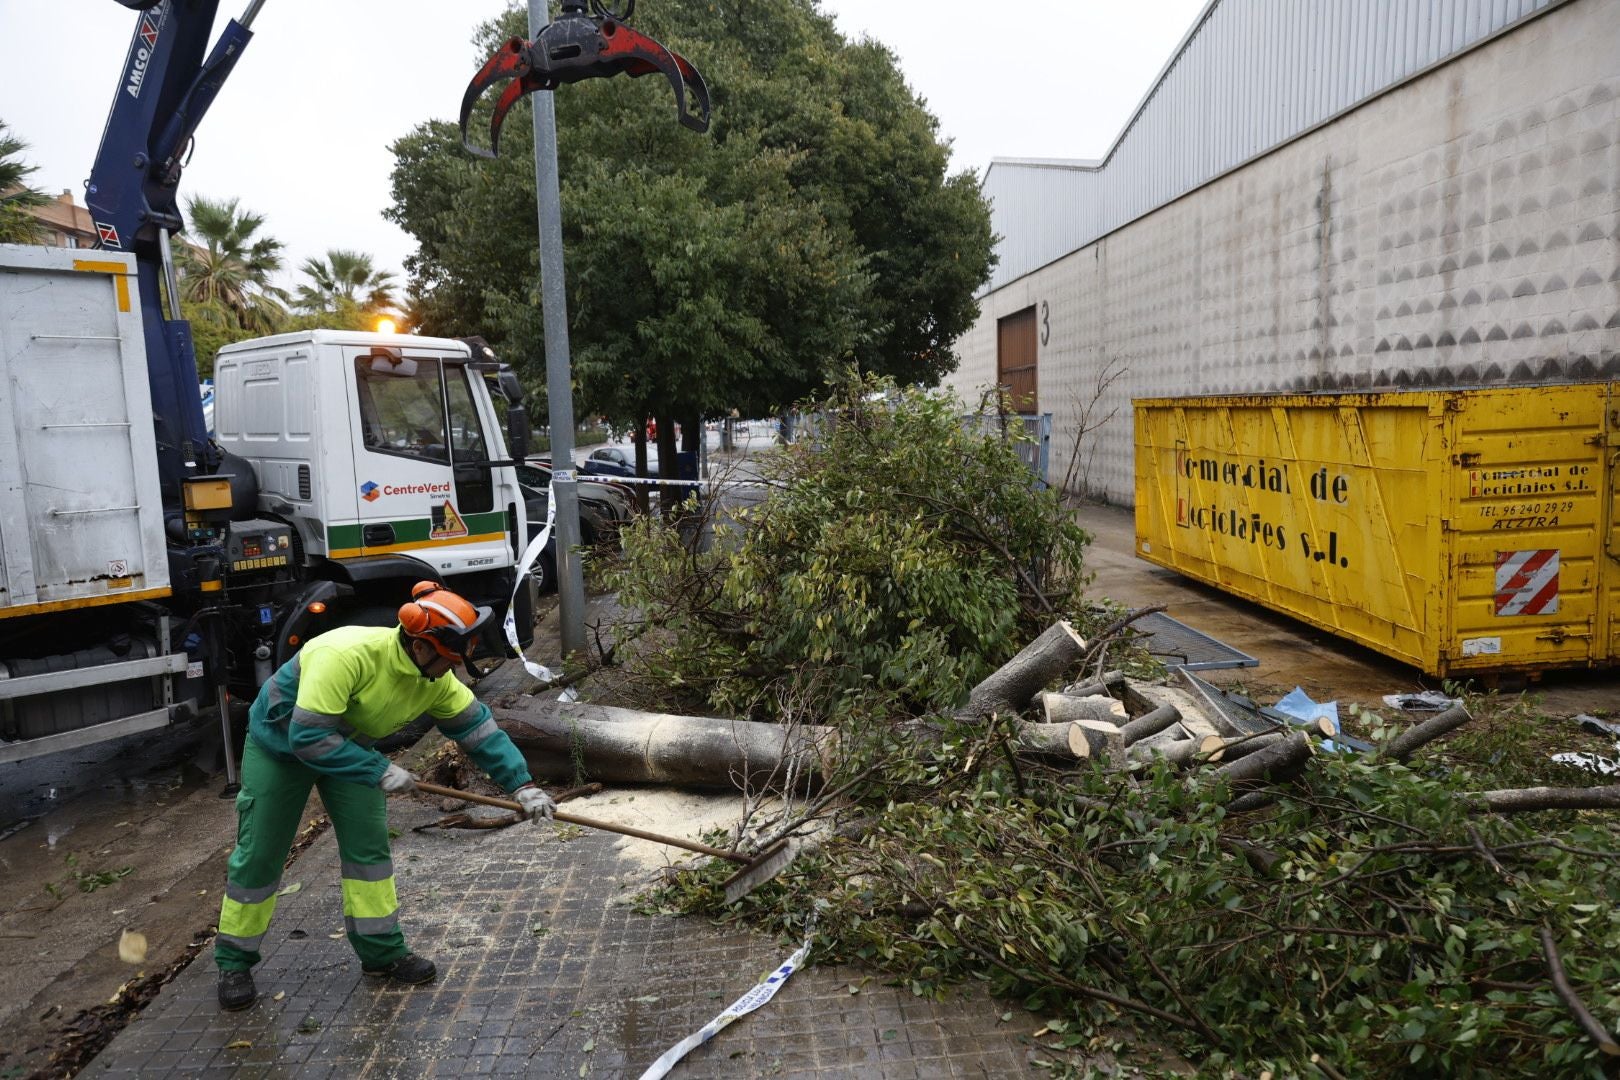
[[1291, 653], [546, 970]]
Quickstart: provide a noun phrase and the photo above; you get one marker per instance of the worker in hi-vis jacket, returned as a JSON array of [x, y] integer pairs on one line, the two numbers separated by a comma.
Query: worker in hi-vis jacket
[[313, 724]]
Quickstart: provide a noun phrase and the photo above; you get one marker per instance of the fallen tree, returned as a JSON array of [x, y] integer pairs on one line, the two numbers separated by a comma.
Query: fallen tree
[[629, 746]]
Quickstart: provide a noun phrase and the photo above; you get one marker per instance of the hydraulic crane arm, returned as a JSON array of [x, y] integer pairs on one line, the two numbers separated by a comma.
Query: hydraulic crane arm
[[168, 81]]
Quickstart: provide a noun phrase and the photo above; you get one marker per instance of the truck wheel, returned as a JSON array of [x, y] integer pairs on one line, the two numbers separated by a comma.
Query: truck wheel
[[411, 733]]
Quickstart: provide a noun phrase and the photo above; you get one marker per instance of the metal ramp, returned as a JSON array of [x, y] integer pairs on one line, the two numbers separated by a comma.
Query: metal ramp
[[1178, 645]]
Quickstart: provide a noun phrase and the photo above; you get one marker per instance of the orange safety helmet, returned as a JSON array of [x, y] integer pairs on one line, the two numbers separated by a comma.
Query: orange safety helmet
[[443, 619]]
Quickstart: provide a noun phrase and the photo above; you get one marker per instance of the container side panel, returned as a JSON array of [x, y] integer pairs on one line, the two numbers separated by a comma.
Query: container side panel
[[1323, 508], [1528, 502], [82, 490]]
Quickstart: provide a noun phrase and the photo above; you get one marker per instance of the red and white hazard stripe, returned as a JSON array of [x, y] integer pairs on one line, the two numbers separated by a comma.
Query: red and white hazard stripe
[[1527, 582]]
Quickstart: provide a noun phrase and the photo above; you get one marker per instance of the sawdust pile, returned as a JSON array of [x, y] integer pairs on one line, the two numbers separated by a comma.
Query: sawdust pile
[[671, 811]]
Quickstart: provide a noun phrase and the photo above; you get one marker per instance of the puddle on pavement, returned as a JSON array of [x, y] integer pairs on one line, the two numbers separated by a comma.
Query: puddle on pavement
[[137, 771]]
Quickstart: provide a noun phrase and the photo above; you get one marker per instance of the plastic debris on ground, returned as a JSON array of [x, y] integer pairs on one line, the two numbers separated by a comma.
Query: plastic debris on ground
[[1596, 726], [1593, 763], [1298, 707], [1427, 701]]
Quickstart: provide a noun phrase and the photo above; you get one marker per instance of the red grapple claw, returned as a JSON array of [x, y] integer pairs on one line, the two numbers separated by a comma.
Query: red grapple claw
[[576, 47]]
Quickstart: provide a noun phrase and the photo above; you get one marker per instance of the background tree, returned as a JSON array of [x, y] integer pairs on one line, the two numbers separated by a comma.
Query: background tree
[[228, 264], [17, 226], [813, 227], [345, 277]]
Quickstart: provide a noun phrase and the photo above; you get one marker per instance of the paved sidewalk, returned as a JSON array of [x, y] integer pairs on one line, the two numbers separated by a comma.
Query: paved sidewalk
[[544, 970]]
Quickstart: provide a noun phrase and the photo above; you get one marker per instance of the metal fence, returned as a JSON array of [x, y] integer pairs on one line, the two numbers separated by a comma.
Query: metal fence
[[1031, 437]]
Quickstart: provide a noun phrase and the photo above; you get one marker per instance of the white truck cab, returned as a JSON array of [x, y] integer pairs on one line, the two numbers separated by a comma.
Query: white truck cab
[[374, 444]]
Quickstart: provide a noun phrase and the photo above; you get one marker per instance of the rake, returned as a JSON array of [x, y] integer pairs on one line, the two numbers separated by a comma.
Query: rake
[[752, 872]]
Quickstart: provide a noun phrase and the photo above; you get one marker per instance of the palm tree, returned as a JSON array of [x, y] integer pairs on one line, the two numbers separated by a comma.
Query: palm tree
[[345, 277], [17, 226], [232, 267]]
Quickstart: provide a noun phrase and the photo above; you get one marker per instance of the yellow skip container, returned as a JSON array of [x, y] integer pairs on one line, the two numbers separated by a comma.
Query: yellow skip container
[[1456, 530]]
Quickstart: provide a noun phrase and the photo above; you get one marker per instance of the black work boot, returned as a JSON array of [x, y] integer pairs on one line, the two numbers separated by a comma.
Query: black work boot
[[410, 969], [236, 990]]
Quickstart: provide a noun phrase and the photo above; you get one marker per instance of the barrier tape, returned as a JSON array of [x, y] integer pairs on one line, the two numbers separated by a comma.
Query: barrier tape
[[653, 481], [526, 564], [744, 1005]]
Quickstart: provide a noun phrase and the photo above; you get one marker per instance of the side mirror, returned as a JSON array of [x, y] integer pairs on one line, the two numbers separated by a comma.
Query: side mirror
[[517, 431]]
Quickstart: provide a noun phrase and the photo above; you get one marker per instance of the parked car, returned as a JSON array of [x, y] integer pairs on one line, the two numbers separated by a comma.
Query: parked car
[[604, 508], [617, 461]]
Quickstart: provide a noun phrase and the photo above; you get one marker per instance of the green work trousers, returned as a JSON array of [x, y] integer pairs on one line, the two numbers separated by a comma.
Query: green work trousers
[[268, 810]]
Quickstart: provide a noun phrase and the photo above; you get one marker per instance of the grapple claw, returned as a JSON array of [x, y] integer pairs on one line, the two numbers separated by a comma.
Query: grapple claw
[[575, 47]]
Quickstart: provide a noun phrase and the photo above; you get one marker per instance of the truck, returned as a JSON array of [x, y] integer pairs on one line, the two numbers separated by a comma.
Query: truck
[[151, 573]]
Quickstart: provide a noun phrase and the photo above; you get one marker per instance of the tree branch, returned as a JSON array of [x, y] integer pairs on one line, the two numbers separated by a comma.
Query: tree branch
[[1572, 1001]]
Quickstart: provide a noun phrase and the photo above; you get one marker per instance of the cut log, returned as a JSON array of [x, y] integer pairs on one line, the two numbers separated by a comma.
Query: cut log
[[1520, 800], [1150, 724], [1097, 686], [1014, 685], [1274, 762], [1068, 708], [1145, 746], [1050, 740], [1098, 739], [1179, 753], [1409, 741], [628, 746]]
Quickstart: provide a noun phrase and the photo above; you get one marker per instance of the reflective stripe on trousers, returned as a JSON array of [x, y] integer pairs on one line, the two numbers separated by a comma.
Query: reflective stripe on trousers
[[370, 903], [244, 916]]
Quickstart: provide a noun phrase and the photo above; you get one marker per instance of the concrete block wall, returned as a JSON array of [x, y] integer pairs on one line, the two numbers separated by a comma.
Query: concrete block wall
[[1463, 228]]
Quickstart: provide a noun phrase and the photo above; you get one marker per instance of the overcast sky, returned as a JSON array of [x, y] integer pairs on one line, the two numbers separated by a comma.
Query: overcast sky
[[300, 131]]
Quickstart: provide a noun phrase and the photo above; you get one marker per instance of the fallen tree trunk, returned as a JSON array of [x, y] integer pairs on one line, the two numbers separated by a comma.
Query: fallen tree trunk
[[1519, 800], [627, 746], [631, 746], [1409, 741], [1014, 685]]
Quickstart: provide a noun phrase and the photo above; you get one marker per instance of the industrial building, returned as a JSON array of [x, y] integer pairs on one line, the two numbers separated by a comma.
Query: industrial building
[[1337, 195]]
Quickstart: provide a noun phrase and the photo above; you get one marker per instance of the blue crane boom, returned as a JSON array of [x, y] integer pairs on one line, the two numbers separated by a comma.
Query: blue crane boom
[[168, 81]]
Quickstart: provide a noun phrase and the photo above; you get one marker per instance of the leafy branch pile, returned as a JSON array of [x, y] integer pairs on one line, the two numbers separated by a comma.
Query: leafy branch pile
[[1372, 922], [896, 559]]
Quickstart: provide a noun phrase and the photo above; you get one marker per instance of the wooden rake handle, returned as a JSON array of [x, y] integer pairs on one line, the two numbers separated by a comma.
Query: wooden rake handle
[[589, 823]]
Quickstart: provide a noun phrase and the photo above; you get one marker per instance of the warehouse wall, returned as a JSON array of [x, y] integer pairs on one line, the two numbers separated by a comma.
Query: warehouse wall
[[1462, 228]]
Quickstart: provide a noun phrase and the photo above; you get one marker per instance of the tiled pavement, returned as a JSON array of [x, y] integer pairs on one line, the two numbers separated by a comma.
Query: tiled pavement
[[544, 970]]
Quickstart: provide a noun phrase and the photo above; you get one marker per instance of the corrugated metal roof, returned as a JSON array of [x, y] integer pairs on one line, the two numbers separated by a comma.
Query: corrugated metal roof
[[1249, 76]]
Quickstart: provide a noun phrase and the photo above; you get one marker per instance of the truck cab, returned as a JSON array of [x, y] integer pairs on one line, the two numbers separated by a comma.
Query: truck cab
[[385, 453]]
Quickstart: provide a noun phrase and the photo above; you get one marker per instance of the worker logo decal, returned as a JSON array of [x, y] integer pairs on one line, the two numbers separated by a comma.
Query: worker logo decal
[[108, 235], [447, 524], [1527, 582], [369, 491]]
